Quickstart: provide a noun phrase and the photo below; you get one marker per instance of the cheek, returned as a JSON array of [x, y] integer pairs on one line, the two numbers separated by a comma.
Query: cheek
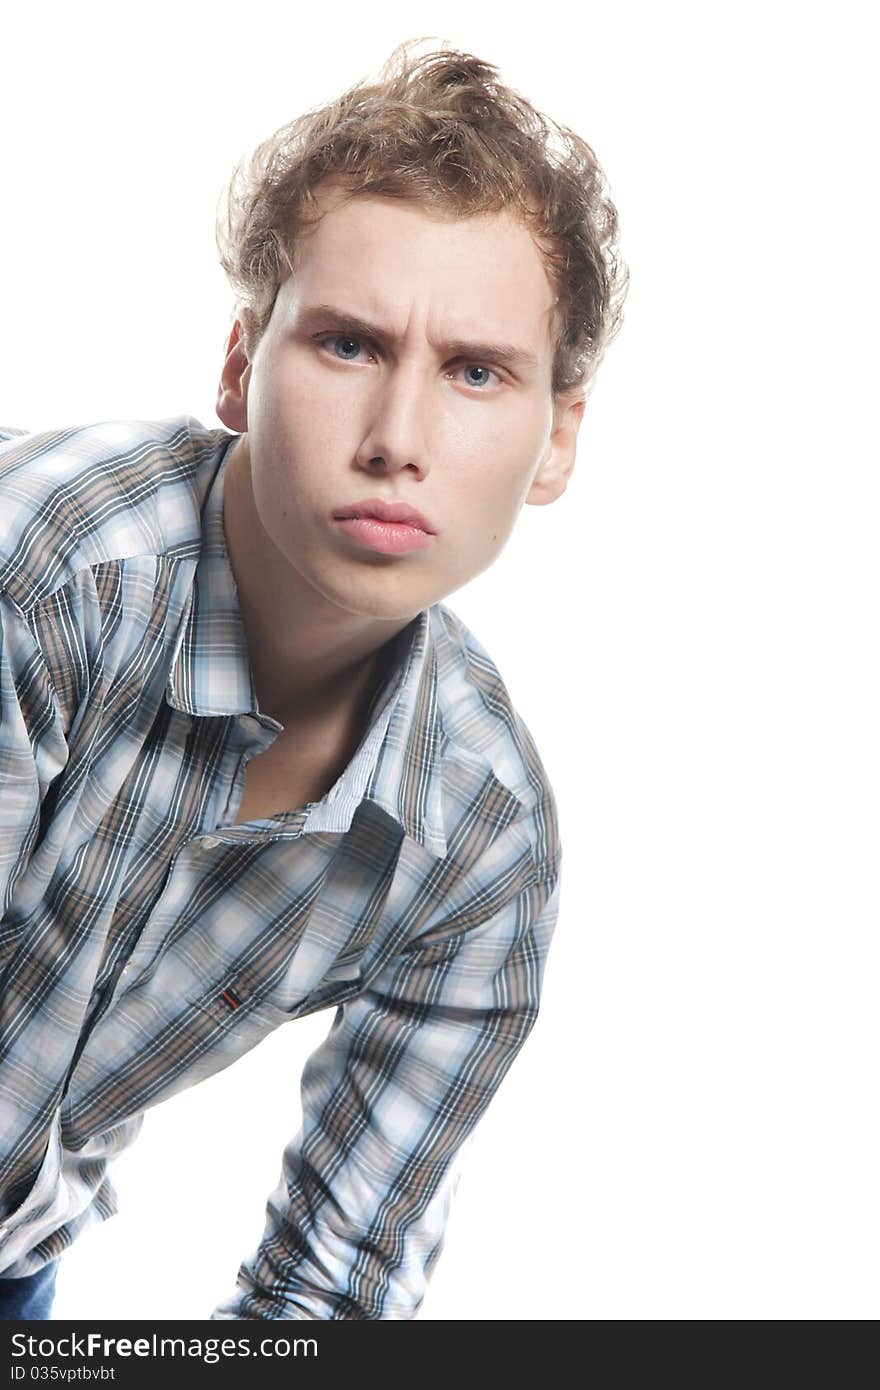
[[489, 515], [505, 442], [494, 476], [293, 445]]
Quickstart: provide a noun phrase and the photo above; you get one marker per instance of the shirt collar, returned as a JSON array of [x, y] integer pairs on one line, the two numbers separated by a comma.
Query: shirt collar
[[210, 672], [407, 777], [398, 763]]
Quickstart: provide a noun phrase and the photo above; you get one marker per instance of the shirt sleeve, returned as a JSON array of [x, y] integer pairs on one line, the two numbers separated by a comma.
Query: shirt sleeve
[[408, 1068]]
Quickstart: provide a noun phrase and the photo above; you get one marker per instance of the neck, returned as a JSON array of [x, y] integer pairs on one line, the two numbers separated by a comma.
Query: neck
[[309, 657]]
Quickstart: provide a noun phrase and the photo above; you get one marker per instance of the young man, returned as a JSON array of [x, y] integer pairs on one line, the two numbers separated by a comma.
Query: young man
[[251, 765]]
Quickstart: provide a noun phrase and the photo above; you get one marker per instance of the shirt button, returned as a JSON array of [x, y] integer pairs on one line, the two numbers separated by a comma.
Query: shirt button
[[126, 968], [209, 842]]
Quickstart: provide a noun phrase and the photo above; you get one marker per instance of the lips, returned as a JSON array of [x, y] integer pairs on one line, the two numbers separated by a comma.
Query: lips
[[381, 510]]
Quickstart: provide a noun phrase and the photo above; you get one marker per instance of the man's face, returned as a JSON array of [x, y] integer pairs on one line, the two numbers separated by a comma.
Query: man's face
[[421, 408]]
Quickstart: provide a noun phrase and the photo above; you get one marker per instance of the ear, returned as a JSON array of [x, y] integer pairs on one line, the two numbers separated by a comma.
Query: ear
[[235, 378], [558, 462]]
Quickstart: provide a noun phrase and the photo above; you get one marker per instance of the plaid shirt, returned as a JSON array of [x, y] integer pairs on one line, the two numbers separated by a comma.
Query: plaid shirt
[[147, 941]]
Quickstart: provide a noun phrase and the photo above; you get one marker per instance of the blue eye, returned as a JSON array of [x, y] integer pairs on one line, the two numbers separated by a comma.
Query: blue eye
[[349, 341], [476, 368]]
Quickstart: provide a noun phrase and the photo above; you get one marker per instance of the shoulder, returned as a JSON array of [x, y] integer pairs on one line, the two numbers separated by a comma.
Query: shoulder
[[71, 499], [480, 721]]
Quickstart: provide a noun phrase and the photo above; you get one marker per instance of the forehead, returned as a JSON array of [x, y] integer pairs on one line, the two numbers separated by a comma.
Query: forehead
[[397, 259]]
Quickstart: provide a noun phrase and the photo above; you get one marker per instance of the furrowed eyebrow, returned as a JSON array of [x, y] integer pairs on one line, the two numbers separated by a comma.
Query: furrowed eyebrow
[[504, 353]]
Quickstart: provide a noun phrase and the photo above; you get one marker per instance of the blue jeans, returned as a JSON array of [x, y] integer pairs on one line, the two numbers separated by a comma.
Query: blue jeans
[[30, 1297]]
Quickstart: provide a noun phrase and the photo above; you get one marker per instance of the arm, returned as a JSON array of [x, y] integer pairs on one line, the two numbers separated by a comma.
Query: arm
[[407, 1070]]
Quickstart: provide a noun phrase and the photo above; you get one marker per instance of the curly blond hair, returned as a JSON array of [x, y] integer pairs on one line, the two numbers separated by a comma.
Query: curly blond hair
[[439, 129]]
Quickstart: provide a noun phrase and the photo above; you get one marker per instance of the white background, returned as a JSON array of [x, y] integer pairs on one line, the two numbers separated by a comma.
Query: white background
[[690, 633]]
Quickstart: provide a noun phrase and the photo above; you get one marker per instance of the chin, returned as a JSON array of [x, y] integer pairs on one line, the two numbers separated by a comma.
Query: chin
[[393, 602]]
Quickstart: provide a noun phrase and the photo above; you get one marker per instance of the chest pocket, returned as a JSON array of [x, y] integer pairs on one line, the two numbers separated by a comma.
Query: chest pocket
[[242, 1004], [345, 934]]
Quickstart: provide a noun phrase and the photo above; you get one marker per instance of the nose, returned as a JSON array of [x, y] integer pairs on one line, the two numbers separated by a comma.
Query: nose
[[395, 433]]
